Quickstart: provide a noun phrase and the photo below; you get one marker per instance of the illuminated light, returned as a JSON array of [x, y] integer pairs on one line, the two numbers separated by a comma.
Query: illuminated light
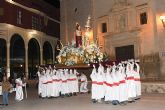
[[10, 26], [10, 1], [89, 34], [33, 32], [162, 18]]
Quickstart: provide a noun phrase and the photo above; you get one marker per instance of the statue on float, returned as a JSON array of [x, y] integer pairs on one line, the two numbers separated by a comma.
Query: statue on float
[[81, 50], [78, 35]]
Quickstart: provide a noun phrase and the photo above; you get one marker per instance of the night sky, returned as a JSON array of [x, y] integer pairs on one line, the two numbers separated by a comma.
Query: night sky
[[55, 3]]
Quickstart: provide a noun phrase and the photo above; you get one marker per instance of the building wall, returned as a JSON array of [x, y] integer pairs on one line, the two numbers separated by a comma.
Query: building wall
[[148, 39], [160, 35], [49, 31], [47, 22], [69, 17]]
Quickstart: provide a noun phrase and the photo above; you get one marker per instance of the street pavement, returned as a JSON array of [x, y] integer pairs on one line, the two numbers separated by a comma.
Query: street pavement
[[81, 102]]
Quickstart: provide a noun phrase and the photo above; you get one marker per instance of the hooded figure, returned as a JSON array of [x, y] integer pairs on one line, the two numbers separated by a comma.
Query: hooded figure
[[94, 83], [19, 90], [84, 83], [100, 83]]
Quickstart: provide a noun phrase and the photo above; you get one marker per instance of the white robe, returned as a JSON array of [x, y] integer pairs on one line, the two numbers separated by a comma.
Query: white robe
[[122, 84], [75, 82], [64, 85], [70, 81], [115, 84], [49, 85], [137, 80], [109, 86], [39, 83], [100, 83], [19, 90], [130, 81], [84, 83], [94, 80], [55, 91], [43, 80]]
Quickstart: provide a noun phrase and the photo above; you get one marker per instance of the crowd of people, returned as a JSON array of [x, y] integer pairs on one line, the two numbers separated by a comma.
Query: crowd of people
[[116, 84], [60, 82]]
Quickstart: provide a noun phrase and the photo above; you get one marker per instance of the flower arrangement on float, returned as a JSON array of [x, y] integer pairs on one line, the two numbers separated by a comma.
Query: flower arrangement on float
[[72, 55]]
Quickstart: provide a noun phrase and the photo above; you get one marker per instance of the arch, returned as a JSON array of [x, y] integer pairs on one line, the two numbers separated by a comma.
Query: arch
[[3, 58], [2, 52], [17, 56], [33, 57], [47, 53]]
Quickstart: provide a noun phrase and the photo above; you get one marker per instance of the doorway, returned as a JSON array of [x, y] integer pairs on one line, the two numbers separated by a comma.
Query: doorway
[[124, 52]]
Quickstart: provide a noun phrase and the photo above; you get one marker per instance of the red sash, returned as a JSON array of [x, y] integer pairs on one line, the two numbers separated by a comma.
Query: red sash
[[130, 78]]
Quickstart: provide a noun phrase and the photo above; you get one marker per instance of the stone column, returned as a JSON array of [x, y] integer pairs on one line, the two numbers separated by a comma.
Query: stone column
[[8, 60], [26, 62], [53, 55], [41, 56]]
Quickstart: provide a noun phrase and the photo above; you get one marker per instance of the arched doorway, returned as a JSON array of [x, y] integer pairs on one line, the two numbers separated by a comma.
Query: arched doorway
[[2, 57], [17, 56], [47, 53], [33, 57]]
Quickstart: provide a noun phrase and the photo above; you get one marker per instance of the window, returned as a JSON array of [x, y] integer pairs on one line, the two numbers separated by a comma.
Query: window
[[104, 27], [19, 17], [143, 18], [36, 23]]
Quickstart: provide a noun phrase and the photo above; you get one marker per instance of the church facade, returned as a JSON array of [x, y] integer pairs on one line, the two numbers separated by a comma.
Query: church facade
[[124, 29]]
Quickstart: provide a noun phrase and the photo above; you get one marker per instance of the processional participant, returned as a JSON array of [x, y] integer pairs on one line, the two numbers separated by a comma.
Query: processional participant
[[39, 81], [55, 84], [137, 79], [75, 82], [100, 84], [19, 91], [119, 85], [84, 83], [94, 83], [109, 84]]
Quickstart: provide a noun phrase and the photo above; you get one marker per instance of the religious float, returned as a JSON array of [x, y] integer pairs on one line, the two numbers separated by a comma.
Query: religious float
[[81, 52]]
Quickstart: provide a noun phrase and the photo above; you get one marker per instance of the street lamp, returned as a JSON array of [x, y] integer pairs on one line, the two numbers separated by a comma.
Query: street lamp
[[162, 18]]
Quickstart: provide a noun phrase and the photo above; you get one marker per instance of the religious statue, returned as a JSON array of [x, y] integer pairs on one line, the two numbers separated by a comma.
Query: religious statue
[[87, 31], [58, 48], [78, 35]]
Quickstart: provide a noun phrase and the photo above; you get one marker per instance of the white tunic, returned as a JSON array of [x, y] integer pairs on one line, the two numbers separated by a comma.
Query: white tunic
[[122, 84], [19, 90], [43, 80], [39, 83], [84, 83], [137, 80], [100, 83], [94, 81], [55, 91], [130, 81], [115, 84], [75, 82], [109, 86]]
